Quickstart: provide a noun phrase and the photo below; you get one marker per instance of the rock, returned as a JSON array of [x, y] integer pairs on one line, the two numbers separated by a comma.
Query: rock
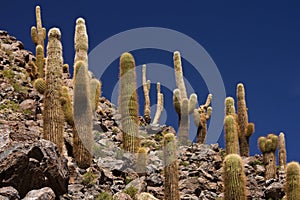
[[139, 184], [274, 191], [146, 196], [45, 193], [28, 104], [33, 165], [9, 193], [122, 196]]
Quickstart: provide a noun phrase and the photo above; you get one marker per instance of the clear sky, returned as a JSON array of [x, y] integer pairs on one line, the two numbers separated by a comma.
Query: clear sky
[[254, 42]]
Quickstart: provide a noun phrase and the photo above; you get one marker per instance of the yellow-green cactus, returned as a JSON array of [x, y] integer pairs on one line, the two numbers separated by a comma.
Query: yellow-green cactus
[[183, 129], [40, 85], [83, 117], [282, 151], [170, 168], [246, 129], [38, 33], [146, 89], [67, 106], [292, 184], [141, 161], [229, 107], [201, 116], [95, 93], [159, 105], [268, 146], [128, 103], [40, 61], [231, 135], [234, 178], [53, 113], [81, 41]]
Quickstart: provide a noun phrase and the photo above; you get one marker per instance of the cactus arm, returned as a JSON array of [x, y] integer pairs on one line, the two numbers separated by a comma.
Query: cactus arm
[[160, 105], [146, 89]]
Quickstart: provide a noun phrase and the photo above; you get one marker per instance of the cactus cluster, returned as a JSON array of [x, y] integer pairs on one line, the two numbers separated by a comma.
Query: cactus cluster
[[268, 146], [201, 116]]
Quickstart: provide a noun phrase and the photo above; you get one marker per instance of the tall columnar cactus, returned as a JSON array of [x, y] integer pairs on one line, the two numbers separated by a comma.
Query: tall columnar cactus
[[128, 103], [234, 178], [246, 129], [38, 33], [67, 106], [83, 117], [231, 135], [181, 101], [292, 185], [81, 41], [40, 61], [201, 116], [159, 105], [146, 89], [229, 107], [141, 162], [282, 151], [95, 93], [53, 113], [170, 168], [268, 146]]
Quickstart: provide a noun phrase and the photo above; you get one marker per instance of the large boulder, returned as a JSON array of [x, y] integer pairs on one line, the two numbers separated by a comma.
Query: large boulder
[[45, 193], [33, 165]]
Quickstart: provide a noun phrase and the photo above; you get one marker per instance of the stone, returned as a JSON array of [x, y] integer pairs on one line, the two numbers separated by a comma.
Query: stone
[[9, 193], [139, 184], [146, 196], [45, 193], [122, 196]]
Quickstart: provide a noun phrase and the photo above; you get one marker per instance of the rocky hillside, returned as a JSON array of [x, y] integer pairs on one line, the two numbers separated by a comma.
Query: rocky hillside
[[31, 168]]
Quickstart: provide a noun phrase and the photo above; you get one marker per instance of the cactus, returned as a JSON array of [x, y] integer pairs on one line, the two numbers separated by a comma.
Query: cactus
[[234, 178], [53, 114], [83, 118], [282, 151], [40, 85], [292, 185], [159, 105], [268, 146], [81, 41], [32, 70], [231, 135], [141, 162], [67, 106], [180, 96], [95, 93], [146, 89], [40, 61], [229, 107], [38, 33], [246, 129], [201, 116], [66, 68], [128, 103], [170, 168]]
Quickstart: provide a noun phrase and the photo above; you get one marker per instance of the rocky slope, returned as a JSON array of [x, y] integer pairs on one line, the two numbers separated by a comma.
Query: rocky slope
[[30, 167]]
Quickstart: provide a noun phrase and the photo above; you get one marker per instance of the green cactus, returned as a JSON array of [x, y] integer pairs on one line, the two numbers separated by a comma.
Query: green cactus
[[83, 118], [159, 105], [201, 116], [229, 107], [231, 135], [141, 162], [170, 168], [128, 103], [40, 85], [95, 93], [292, 185], [246, 129], [40, 61], [180, 96], [234, 178], [268, 146], [146, 89], [81, 41], [38, 33], [282, 152], [67, 106], [53, 114]]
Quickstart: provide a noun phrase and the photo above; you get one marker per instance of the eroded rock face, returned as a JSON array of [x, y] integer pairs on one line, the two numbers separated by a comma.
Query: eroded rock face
[[32, 165]]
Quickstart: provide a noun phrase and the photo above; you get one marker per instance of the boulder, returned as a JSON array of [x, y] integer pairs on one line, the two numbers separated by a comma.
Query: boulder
[[9, 193], [45, 193]]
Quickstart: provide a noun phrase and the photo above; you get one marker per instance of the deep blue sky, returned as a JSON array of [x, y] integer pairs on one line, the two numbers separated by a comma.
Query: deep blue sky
[[257, 43]]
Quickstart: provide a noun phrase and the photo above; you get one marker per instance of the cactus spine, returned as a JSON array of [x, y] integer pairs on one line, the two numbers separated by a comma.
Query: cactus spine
[[268, 146], [141, 162], [170, 168], [292, 185], [38, 33], [53, 114], [159, 105], [146, 89], [231, 135], [246, 129], [201, 116], [282, 151], [95, 93], [234, 178], [181, 102], [128, 103]]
